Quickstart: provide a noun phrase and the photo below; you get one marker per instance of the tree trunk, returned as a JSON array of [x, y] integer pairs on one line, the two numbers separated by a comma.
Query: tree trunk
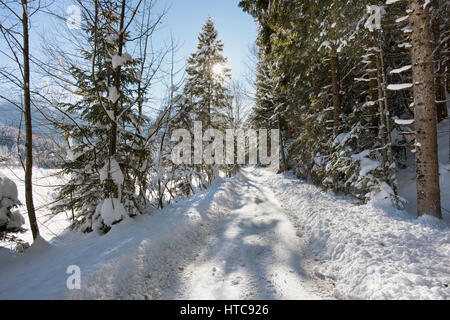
[[441, 104], [113, 132], [387, 116], [113, 141], [382, 128], [28, 126], [283, 156], [427, 166], [335, 83], [373, 90], [447, 69]]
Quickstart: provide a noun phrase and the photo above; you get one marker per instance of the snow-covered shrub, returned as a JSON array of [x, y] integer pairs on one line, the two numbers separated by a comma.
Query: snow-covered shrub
[[353, 166], [346, 164], [10, 220], [108, 212]]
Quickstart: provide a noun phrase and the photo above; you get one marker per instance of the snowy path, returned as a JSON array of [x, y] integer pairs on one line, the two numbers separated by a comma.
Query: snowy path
[[232, 241], [257, 235], [254, 253]]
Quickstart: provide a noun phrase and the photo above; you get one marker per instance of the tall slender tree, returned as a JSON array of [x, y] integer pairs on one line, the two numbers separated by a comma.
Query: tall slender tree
[[21, 46], [109, 146], [207, 75], [28, 124]]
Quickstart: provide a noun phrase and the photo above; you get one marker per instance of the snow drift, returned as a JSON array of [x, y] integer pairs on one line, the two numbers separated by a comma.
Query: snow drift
[[369, 251]]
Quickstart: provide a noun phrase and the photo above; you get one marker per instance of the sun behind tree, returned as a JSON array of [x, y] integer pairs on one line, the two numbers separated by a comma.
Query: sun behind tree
[[207, 79]]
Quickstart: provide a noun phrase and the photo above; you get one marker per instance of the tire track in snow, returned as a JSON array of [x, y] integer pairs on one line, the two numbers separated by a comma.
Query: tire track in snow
[[253, 253]]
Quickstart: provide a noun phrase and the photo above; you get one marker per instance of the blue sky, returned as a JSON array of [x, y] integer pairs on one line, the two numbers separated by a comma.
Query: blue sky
[[184, 20], [236, 28]]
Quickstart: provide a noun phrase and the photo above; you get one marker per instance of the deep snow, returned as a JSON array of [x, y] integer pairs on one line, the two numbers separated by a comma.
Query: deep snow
[[44, 183], [370, 251], [256, 235], [231, 242]]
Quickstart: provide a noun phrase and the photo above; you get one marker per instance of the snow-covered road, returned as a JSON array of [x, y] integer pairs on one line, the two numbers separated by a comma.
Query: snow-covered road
[[232, 241], [257, 235], [253, 253]]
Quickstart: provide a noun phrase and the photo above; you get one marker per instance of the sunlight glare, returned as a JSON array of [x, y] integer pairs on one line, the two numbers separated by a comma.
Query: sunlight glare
[[218, 69]]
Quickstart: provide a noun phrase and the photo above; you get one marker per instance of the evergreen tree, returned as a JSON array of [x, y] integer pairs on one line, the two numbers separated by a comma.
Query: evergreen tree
[[310, 58], [106, 142], [206, 82], [206, 96]]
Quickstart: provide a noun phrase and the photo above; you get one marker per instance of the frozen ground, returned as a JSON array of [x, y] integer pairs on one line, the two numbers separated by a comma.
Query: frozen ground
[[256, 235]]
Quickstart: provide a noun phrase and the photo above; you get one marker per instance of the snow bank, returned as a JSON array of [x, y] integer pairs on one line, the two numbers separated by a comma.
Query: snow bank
[[45, 181], [370, 251], [140, 258], [9, 220]]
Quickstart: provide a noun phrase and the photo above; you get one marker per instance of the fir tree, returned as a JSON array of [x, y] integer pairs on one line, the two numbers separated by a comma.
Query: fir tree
[[308, 61], [107, 141], [206, 83], [206, 96]]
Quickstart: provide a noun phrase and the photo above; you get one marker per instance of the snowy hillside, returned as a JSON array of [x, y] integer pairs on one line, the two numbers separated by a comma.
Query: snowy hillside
[[48, 150], [12, 117]]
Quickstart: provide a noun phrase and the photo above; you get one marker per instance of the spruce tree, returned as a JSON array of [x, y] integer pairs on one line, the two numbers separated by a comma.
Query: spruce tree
[[206, 96], [206, 82], [106, 141]]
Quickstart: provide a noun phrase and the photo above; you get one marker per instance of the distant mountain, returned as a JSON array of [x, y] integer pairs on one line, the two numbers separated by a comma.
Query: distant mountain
[[48, 148], [48, 152], [12, 117]]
